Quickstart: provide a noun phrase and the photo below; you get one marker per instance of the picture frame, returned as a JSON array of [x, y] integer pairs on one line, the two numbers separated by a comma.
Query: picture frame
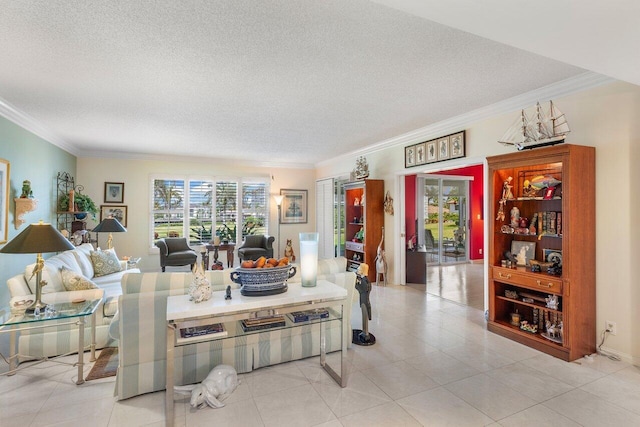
[[523, 251], [432, 151], [409, 156], [421, 154], [552, 255], [114, 192], [443, 148], [294, 206], [447, 147], [5, 188], [456, 142], [119, 212]]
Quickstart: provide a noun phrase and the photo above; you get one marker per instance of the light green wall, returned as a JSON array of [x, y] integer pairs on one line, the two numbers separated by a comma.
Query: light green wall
[[39, 161]]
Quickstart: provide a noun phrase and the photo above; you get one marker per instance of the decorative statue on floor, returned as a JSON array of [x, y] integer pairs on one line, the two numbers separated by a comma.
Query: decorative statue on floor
[[219, 384], [381, 262], [363, 285]]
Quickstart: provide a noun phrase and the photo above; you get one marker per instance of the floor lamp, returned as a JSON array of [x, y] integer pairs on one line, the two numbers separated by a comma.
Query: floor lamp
[[36, 239], [278, 198]]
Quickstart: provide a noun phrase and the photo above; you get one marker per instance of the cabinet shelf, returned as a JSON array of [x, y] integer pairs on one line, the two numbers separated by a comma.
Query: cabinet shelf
[[528, 304], [564, 224], [528, 335], [369, 217]]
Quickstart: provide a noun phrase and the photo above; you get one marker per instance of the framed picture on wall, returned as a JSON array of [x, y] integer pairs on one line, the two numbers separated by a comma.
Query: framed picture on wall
[[443, 148], [4, 199], [432, 151], [456, 148], [294, 206], [114, 192], [421, 155], [118, 212], [409, 156]]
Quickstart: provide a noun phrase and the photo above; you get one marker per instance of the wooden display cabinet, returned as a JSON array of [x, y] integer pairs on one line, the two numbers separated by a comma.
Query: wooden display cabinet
[[564, 230], [363, 220]]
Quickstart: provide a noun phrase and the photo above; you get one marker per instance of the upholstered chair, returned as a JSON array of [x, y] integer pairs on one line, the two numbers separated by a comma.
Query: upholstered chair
[[255, 246], [175, 252]]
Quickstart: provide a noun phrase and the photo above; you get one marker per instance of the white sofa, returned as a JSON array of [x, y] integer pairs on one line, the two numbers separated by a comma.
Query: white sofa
[[141, 332], [64, 339]]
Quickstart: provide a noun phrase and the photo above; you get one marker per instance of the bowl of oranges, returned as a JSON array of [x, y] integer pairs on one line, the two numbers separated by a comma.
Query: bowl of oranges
[[264, 276]]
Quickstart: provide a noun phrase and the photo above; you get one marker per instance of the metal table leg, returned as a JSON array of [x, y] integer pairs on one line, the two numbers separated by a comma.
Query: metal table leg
[[80, 350], [168, 404]]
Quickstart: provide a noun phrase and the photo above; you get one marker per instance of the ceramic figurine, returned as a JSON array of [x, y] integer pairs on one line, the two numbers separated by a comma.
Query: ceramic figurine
[[219, 384], [200, 288], [26, 190], [288, 251]]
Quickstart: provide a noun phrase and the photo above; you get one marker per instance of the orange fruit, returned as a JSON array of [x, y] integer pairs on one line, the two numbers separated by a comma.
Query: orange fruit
[[272, 261], [247, 264], [260, 262]]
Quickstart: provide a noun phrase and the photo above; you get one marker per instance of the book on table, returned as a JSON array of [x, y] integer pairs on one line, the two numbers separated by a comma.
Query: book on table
[[260, 323], [307, 315], [194, 333]]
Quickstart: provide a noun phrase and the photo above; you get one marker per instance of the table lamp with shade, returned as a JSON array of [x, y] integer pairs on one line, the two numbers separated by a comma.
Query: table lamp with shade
[[36, 239], [109, 225]]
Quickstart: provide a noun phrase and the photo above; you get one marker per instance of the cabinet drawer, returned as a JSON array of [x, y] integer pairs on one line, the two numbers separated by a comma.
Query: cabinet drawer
[[354, 246], [534, 281]]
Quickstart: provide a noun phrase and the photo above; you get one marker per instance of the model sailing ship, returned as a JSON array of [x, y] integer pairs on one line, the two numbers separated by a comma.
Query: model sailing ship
[[545, 128]]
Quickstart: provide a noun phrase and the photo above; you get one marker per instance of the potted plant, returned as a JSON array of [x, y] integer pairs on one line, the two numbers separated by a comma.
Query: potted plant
[[83, 205]]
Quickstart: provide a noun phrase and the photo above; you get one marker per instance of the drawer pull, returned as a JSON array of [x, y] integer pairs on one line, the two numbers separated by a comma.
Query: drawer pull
[[505, 276], [542, 285]]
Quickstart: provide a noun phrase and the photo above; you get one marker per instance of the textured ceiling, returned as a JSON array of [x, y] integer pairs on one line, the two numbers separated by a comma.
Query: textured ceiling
[[282, 82]]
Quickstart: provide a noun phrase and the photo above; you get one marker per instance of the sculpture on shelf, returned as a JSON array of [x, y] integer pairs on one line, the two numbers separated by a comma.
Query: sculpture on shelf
[[381, 262], [26, 190], [363, 286], [217, 386]]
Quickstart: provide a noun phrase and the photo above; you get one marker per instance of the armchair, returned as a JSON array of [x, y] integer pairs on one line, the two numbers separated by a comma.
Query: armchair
[[255, 246], [175, 252]]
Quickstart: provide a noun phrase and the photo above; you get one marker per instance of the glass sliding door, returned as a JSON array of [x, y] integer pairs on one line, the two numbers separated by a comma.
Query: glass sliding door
[[442, 215]]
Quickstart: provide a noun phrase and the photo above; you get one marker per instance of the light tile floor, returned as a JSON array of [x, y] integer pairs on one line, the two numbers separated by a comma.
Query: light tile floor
[[434, 364]]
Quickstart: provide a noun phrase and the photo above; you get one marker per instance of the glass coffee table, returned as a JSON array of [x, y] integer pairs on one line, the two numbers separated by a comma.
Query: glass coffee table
[[66, 313]]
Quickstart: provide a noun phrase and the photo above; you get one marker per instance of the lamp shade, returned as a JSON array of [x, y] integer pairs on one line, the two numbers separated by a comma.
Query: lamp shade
[[37, 238], [109, 225], [278, 198]]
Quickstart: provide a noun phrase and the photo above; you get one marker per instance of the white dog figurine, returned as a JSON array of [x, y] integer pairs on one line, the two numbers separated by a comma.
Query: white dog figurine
[[219, 384]]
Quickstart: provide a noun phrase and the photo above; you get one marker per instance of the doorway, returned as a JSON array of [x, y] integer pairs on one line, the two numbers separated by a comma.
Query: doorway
[[442, 218]]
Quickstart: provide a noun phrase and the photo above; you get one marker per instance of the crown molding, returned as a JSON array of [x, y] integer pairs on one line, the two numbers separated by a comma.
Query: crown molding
[[28, 123], [562, 88]]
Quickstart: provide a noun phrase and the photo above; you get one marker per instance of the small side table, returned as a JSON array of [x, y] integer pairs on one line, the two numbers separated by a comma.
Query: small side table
[[75, 313], [228, 247]]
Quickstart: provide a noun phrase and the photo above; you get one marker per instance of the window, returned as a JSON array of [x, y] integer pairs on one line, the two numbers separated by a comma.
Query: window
[[168, 208], [202, 208]]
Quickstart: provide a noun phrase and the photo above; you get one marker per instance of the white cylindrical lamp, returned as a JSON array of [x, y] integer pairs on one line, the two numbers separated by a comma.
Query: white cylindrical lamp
[[309, 258]]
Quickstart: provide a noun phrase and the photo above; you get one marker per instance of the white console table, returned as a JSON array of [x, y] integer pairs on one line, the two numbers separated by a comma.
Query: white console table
[[218, 310]]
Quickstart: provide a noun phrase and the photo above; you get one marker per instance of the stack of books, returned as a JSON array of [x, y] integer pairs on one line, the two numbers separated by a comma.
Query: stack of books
[[196, 333], [260, 323], [305, 316]]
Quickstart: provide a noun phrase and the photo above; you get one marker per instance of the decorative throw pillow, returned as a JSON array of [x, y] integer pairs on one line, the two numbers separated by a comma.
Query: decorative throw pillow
[[74, 281], [105, 262]]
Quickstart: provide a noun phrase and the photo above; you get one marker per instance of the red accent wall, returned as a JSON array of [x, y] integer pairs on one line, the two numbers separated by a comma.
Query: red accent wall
[[476, 197], [409, 206]]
